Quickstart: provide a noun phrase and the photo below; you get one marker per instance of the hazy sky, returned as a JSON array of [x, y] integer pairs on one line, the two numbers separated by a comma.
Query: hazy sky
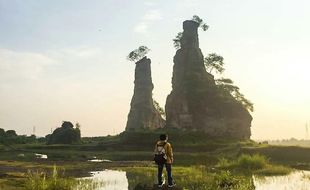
[[66, 59]]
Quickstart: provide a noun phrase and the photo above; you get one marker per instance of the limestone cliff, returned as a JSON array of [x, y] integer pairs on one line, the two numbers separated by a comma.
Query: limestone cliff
[[143, 114], [195, 102]]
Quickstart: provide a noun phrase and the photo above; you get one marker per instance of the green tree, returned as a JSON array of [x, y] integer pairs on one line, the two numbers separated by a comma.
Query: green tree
[[2, 132], [177, 40], [202, 25], [11, 133], [66, 134], [138, 54], [214, 62], [159, 109], [227, 87]]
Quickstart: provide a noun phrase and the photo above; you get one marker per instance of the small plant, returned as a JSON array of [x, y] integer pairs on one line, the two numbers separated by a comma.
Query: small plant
[[177, 40], [159, 108], [138, 54], [226, 181], [202, 25], [223, 163]]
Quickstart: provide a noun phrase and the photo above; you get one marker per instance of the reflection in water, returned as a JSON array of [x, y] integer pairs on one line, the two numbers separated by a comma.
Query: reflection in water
[[41, 156], [99, 160], [120, 180], [295, 181], [110, 180]]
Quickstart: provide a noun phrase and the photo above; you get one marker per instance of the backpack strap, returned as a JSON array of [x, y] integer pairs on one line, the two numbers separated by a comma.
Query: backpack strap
[[162, 146]]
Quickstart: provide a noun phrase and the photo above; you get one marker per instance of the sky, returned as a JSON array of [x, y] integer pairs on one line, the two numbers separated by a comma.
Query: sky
[[65, 60]]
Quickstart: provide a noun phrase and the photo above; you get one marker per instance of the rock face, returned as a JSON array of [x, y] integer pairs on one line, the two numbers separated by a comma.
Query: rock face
[[143, 114], [195, 102]]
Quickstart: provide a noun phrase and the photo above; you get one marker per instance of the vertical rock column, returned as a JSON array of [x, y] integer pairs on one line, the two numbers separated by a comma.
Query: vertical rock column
[[195, 102], [143, 114]]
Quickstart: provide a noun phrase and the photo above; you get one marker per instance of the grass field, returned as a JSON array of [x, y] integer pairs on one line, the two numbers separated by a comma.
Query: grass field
[[207, 159]]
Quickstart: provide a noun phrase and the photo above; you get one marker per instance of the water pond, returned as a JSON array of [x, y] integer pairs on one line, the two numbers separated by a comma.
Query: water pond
[[299, 180], [122, 180]]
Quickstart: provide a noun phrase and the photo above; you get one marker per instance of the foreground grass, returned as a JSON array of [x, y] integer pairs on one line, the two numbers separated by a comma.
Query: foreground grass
[[253, 164], [194, 177], [40, 180]]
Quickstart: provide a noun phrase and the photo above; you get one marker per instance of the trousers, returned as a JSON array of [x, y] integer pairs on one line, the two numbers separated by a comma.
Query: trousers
[[169, 173]]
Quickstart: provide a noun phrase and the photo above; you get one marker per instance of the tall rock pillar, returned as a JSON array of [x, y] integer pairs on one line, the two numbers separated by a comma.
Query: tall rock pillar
[[195, 102], [143, 114]]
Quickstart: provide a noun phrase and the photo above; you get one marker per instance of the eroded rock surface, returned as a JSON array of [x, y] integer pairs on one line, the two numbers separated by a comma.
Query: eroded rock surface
[[143, 114], [195, 102]]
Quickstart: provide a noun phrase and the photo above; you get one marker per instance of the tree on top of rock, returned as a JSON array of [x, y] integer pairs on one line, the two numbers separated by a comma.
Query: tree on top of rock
[[202, 25], [138, 54]]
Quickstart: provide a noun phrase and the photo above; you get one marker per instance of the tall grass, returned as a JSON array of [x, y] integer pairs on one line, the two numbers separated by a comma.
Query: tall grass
[[253, 162], [41, 181]]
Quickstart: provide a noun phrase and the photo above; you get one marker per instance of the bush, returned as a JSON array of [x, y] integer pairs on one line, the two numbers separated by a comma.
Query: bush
[[254, 162], [66, 134]]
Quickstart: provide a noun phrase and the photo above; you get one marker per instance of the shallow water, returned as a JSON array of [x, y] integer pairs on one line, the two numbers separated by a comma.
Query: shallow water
[[119, 180], [99, 160], [299, 180], [110, 180], [41, 156]]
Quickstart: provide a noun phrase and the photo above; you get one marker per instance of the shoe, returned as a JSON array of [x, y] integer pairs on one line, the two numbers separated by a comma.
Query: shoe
[[160, 185], [172, 185]]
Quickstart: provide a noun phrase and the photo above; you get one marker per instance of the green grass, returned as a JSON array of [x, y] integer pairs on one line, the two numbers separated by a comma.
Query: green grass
[[272, 170], [189, 178], [41, 181], [255, 164], [251, 162]]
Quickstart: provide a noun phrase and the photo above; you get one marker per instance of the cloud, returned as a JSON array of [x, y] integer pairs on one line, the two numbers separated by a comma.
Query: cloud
[[153, 15], [22, 65], [147, 19], [141, 27], [149, 3]]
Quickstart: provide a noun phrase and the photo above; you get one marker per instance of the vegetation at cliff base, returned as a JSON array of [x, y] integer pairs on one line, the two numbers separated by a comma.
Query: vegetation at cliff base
[[215, 62]]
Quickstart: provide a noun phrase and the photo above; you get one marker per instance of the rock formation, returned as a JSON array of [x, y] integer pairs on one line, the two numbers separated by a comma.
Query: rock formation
[[143, 114], [195, 102]]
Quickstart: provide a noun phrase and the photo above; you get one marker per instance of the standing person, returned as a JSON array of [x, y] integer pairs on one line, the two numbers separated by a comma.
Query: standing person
[[164, 156]]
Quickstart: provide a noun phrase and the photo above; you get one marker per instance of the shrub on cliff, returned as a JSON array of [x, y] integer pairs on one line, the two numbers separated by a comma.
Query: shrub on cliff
[[202, 25], [215, 62], [138, 54]]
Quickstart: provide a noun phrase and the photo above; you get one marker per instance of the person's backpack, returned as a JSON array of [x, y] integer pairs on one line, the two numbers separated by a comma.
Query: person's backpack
[[160, 156]]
